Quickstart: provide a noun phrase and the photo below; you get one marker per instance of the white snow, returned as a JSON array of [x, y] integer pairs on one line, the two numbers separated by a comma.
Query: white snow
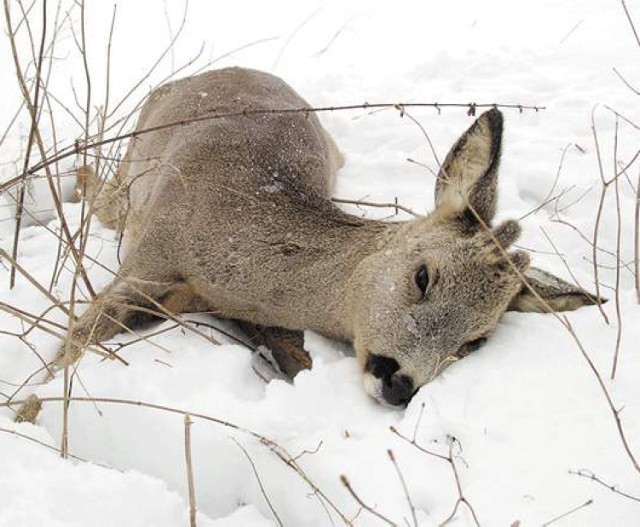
[[525, 407]]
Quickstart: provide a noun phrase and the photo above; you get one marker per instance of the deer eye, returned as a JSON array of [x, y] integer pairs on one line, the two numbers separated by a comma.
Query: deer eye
[[422, 279], [470, 347]]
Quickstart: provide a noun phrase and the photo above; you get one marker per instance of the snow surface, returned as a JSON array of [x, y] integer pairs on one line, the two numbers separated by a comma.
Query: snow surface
[[525, 408]]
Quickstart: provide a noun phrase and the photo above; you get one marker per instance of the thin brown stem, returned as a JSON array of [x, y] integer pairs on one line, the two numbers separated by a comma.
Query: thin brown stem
[[613, 488], [64, 443], [359, 501], [626, 82], [377, 205], [616, 187], [33, 110], [36, 138], [260, 484], [412, 508], [163, 54], [450, 459], [278, 450], [76, 148], [596, 226], [461, 498], [42, 443], [633, 26], [565, 514], [4, 254], [636, 241], [190, 480]]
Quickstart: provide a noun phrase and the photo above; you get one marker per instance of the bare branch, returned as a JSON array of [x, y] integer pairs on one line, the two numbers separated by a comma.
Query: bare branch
[[412, 508], [368, 508], [260, 484], [633, 27], [590, 475], [377, 205], [565, 514], [449, 458], [77, 148], [187, 456]]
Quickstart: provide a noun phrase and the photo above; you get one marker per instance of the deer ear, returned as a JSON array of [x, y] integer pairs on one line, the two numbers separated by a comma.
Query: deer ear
[[560, 295], [469, 173]]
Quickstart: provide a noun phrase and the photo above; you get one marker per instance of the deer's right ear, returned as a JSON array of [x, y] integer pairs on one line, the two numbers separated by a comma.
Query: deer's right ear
[[469, 173], [555, 293]]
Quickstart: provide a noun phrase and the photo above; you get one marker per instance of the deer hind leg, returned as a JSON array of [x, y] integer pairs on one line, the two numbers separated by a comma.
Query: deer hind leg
[[121, 307], [285, 345]]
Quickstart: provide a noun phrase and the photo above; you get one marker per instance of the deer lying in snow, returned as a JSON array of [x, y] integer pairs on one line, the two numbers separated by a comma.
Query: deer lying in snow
[[233, 215]]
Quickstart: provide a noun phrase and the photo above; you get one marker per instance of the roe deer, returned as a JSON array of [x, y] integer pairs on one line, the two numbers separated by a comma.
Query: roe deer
[[233, 215]]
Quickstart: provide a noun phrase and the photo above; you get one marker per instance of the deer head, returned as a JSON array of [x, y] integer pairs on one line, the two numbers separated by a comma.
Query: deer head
[[439, 285]]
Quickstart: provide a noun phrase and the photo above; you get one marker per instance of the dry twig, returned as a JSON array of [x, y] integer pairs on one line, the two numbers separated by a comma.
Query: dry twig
[[368, 508], [565, 514], [260, 484], [613, 488], [449, 458], [359, 202], [92, 144], [277, 449], [190, 482], [412, 508], [33, 106]]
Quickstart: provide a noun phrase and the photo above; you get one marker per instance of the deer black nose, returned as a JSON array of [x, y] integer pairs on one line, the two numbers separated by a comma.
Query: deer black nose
[[381, 367], [397, 390]]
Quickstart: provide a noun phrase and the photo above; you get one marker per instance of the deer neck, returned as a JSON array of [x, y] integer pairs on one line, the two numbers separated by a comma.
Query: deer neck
[[332, 248]]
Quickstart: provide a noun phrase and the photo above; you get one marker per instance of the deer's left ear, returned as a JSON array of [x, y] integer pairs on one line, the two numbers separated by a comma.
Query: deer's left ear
[[469, 173], [560, 295]]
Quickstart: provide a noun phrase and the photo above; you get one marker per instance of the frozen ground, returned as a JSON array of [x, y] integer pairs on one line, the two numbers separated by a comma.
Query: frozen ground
[[525, 408]]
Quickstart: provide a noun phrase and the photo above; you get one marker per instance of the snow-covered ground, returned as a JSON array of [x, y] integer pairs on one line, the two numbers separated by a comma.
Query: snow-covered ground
[[526, 409]]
